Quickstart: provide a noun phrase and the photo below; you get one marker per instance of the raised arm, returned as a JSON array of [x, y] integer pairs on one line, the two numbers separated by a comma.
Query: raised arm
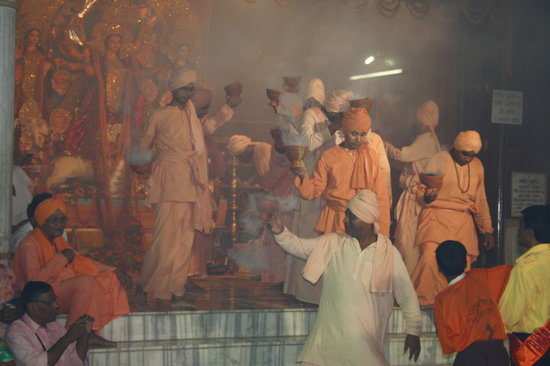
[[312, 188], [29, 263], [290, 243], [212, 122], [315, 138]]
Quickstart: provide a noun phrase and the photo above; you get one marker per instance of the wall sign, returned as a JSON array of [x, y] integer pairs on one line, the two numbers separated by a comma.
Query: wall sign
[[507, 107], [528, 189]]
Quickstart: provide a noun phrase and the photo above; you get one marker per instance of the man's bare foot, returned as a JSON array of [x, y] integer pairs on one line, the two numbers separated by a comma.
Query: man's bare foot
[[96, 340]]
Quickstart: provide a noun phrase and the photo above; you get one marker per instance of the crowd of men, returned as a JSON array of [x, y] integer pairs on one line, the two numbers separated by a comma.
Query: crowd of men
[[336, 233]]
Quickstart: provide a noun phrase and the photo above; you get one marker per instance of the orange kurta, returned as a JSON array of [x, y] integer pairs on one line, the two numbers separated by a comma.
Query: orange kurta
[[100, 296], [467, 311], [332, 180]]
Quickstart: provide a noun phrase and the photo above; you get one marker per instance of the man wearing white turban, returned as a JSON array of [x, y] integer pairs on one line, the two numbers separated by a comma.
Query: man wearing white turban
[[244, 149], [363, 273], [413, 159], [177, 180], [451, 212]]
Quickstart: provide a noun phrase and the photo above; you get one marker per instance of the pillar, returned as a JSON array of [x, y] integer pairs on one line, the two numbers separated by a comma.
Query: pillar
[[7, 72]]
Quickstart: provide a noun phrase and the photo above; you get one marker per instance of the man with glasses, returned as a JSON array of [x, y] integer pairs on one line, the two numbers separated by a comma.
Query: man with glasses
[[38, 339], [451, 212]]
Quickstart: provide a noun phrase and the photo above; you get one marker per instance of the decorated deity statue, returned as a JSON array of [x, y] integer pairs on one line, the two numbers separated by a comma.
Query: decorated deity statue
[[31, 66]]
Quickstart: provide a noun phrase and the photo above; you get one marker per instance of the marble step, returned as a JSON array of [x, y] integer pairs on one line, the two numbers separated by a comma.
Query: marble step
[[176, 325], [253, 351]]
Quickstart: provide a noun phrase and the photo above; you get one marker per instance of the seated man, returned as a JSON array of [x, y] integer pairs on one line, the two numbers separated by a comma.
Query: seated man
[[466, 312], [25, 227], [82, 285], [362, 274], [38, 339]]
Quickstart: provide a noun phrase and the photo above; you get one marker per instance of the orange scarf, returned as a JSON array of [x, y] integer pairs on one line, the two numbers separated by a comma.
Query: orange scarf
[[80, 264], [364, 168]]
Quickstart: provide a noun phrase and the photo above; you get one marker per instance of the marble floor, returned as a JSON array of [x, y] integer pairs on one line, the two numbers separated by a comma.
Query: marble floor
[[232, 292]]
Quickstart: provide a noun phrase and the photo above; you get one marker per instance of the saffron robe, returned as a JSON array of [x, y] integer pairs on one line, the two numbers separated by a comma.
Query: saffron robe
[[415, 156], [332, 180], [101, 296]]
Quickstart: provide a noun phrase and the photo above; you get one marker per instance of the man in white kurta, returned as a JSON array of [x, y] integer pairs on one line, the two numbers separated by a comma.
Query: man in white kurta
[[415, 158], [358, 292]]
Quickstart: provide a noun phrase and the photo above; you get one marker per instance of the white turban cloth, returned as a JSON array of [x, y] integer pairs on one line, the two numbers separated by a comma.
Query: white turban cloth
[[338, 101], [364, 205], [468, 141], [181, 78], [428, 114], [316, 90], [237, 144]]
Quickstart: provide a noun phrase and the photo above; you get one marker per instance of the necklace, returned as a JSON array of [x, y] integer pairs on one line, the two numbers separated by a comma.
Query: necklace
[[458, 178]]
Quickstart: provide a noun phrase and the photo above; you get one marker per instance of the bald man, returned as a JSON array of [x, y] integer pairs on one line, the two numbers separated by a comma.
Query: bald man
[[451, 212]]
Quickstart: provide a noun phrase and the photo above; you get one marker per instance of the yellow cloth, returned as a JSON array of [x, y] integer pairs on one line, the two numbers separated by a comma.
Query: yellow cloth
[[525, 304]]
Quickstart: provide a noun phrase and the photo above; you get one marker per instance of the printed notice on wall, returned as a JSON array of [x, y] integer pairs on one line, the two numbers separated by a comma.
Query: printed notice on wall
[[507, 107], [527, 189]]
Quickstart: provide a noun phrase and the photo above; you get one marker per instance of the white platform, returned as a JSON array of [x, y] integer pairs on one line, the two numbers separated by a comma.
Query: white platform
[[237, 338]]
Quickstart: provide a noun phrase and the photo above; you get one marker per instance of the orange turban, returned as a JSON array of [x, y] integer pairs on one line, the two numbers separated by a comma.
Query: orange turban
[[201, 98], [468, 141], [356, 119], [48, 207]]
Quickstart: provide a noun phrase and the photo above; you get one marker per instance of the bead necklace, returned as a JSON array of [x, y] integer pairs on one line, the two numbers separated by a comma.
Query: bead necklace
[[458, 178]]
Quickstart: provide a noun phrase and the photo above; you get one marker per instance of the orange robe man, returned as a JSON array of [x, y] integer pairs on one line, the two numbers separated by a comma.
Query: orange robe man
[[342, 171], [177, 181], [82, 285], [449, 212], [415, 157]]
